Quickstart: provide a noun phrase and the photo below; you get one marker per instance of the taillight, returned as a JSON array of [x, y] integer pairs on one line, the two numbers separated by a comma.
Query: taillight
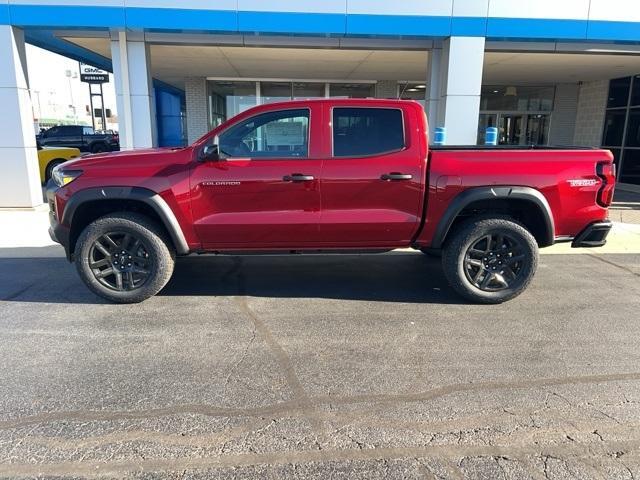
[[607, 173]]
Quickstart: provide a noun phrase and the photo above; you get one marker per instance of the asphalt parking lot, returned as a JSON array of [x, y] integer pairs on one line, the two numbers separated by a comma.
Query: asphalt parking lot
[[320, 367]]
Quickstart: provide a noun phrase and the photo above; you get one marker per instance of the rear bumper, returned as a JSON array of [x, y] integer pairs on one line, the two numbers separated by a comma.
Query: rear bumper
[[595, 235]]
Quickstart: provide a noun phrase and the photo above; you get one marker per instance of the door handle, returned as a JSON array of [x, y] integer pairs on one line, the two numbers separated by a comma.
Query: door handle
[[298, 177], [395, 176]]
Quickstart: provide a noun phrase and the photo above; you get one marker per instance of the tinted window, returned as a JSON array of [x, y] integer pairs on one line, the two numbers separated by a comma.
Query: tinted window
[[366, 131], [613, 128], [53, 132], [87, 131], [633, 128], [635, 95], [70, 131], [630, 172], [619, 92], [275, 134]]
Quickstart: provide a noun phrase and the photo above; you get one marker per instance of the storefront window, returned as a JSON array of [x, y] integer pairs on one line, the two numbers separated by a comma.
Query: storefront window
[[272, 92], [619, 92], [227, 99], [635, 95], [633, 129], [614, 128], [521, 114], [517, 98], [630, 170], [308, 91], [621, 133], [352, 90]]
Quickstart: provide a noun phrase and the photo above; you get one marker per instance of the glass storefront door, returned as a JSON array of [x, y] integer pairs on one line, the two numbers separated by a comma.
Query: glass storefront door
[[521, 113], [511, 129], [515, 128]]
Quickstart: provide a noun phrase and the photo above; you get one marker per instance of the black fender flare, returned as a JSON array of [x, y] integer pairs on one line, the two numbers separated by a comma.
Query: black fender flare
[[144, 195], [462, 200]]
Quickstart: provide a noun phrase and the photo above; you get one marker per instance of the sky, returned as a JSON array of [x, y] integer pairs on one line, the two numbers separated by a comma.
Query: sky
[[52, 92]]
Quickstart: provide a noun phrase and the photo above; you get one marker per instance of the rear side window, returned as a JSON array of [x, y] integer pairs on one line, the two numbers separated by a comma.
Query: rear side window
[[87, 131], [70, 131], [367, 131]]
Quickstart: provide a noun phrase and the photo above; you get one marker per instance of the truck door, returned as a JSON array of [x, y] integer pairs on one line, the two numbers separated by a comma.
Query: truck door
[[265, 190], [70, 136], [373, 181]]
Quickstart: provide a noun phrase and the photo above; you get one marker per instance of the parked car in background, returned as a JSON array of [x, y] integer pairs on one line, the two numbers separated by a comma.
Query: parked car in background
[[81, 137], [334, 175], [50, 157]]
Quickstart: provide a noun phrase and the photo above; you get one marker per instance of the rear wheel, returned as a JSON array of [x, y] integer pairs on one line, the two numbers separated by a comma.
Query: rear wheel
[[124, 257], [490, 260], [99, 148]]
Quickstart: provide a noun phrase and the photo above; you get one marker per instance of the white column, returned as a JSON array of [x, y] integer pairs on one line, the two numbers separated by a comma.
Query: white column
[[460, 79], [134, 90], [434, 65], [19, 178]]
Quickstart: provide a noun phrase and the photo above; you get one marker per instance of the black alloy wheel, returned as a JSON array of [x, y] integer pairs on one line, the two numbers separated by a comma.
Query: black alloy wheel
[[490, 259], [494, 262], [120, 261]]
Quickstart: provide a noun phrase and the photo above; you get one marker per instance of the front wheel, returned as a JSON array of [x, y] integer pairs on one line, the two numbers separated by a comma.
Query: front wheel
[[490, 260], [124, 257]]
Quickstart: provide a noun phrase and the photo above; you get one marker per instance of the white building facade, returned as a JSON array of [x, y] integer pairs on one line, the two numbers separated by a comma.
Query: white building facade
[[544, 72]]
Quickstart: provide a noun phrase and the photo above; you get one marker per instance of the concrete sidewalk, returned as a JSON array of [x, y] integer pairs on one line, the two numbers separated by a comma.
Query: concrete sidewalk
[[626, 207]]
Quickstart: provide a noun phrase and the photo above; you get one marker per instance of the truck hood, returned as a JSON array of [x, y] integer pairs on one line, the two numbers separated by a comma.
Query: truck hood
[[146, 156]]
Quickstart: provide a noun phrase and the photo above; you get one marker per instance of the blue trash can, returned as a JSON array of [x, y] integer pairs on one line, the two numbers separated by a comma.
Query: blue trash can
[[440, 136], [491, 137]]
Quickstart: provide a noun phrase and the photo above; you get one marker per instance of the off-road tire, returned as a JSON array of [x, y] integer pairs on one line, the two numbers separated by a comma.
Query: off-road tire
[[159, 248], [468, 234], [99, 147]]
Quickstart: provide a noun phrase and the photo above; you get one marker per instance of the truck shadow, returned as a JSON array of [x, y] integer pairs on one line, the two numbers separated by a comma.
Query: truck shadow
[[43, 275], [406, 277]]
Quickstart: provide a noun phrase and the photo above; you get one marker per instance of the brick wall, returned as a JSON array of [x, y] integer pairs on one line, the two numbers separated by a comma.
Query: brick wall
[[196, 100], [592, 101], [565, 109]]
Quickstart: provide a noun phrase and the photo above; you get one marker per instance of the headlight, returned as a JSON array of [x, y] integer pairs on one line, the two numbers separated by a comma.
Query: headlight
[[62, 177]]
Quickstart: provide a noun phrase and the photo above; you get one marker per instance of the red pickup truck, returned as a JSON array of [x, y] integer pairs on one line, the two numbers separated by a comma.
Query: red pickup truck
[[328, 175]]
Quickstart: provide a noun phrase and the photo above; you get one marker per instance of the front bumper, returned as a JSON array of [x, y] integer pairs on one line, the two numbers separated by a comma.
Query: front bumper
[[595, 235], [58, 232]]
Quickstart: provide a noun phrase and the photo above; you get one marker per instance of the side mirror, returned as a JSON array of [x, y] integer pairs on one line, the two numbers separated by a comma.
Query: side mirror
[[210, 153]]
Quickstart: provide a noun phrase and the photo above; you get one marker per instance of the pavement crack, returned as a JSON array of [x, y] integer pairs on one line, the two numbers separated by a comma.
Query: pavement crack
[[280, 354], [303, 402], [613, 264]]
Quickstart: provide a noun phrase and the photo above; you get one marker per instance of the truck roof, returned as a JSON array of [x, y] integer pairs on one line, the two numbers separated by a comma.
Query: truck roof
[[344, 101]]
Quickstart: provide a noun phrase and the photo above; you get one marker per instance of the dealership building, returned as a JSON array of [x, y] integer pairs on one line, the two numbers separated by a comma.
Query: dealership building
[[557, 72]]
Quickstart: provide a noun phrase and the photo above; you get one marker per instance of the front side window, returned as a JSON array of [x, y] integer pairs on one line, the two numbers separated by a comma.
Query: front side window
[[87, 131], [269, 135], [367, 131]]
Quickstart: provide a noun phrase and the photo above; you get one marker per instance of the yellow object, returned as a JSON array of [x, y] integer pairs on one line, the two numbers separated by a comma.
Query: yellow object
[[48, 157]]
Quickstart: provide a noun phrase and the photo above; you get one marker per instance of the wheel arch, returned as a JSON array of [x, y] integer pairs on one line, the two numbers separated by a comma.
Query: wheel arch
[[525, 204], [87, 205]]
